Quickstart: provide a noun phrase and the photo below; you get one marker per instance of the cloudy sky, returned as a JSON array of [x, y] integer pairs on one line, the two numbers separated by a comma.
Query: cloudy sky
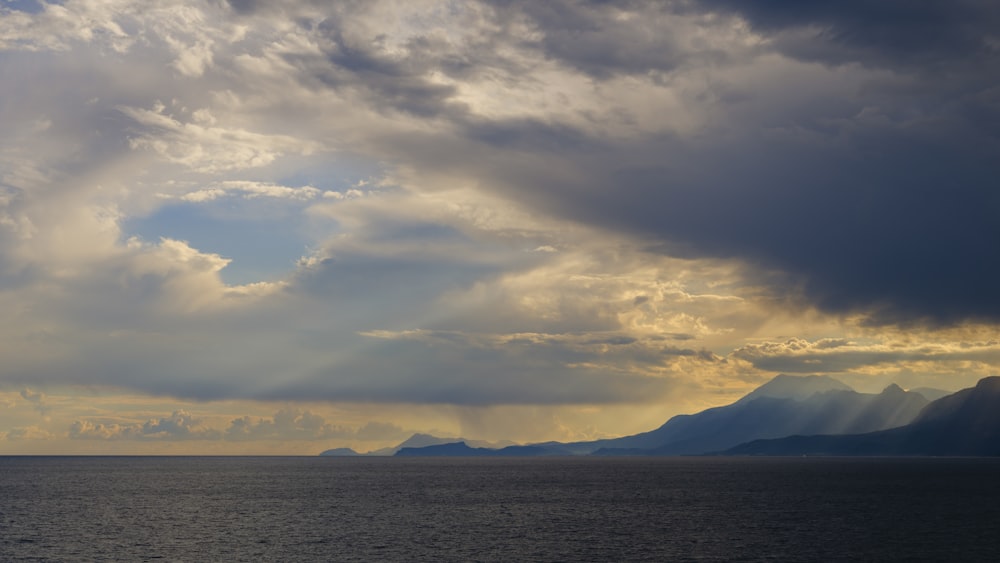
[[284, 226]]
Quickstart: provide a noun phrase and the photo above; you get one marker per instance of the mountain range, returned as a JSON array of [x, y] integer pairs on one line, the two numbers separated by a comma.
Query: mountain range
[[416, 441], [788, 415], [784, 406], [966, 423]]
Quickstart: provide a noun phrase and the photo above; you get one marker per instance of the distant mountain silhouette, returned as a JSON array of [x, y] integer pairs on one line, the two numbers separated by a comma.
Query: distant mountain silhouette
[[424, 440], [765, 412], [965, 423], [415, 441], [784, 406], [788, 415], [795, 387], [439, 450], [340, 452], [461, 449]]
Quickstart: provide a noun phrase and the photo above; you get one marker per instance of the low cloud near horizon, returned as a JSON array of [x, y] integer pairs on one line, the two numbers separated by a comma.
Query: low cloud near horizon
[[434, 215]]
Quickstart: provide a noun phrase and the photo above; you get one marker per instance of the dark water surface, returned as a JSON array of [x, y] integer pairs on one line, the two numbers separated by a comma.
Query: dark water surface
[[552, 509]]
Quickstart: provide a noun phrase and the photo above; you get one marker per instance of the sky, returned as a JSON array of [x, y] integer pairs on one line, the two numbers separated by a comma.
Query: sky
[[278, 227]]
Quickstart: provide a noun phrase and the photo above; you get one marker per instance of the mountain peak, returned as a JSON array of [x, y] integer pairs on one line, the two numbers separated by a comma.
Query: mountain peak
[[796, 387], [892, 388]]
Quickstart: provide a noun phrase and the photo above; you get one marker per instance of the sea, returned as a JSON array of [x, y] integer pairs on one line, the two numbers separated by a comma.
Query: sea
[[498, 509]]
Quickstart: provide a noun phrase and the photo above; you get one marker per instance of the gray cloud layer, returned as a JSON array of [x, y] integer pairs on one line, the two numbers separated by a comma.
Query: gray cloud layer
[[876, 195], [864, 170], [546, 164]]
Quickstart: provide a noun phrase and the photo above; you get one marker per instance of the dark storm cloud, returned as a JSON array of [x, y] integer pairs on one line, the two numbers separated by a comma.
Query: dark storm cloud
[[901, 220], [881, 201], [878, 199], [897, 221], [887, 32], [904, 227]]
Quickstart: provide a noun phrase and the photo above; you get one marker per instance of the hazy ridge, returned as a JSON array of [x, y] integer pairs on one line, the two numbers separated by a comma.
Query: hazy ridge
[[788, 415]]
